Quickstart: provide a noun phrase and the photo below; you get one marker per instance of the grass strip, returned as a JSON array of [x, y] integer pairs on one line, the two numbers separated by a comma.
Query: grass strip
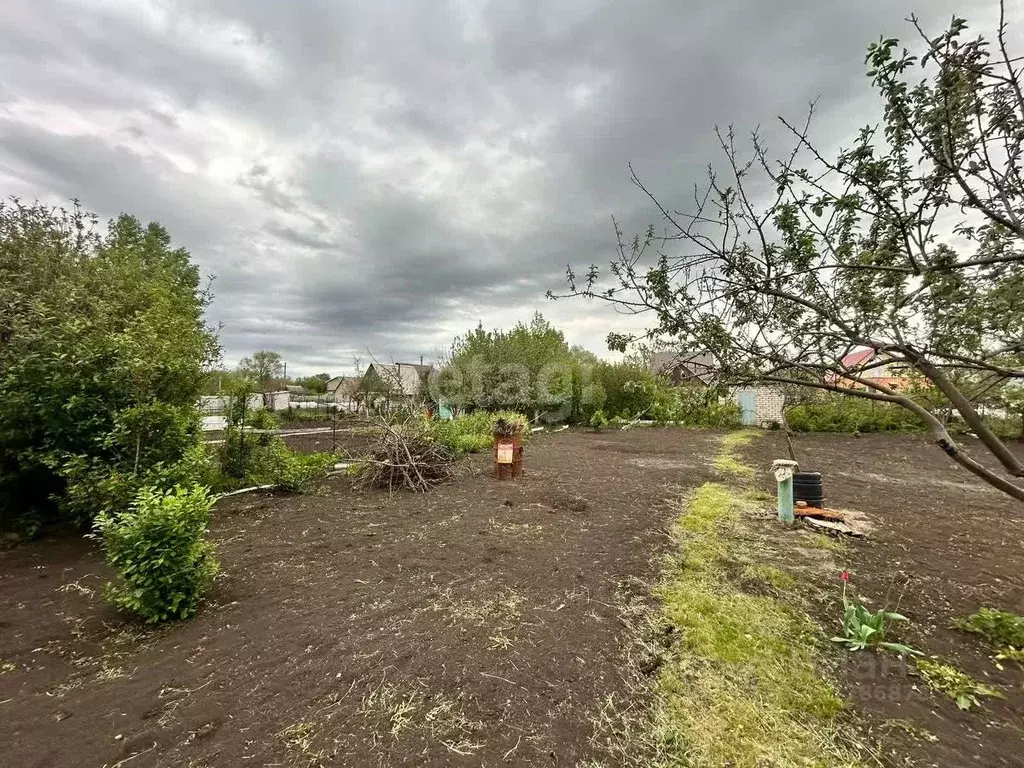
[[728, 461], [741, 686]]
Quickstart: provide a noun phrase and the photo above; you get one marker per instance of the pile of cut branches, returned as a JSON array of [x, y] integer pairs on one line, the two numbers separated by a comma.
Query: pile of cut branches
[[404, 456], [509, 427]]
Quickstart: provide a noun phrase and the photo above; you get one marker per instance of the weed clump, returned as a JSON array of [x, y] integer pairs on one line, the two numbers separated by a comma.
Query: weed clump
[[958, 685], [474, 432], [1000, 629]]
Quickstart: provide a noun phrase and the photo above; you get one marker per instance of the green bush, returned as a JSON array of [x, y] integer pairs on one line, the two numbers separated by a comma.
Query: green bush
[[297, 472], [265, 460], [839, 413], [93, 486], [470, 443], [846, 413], [598, 421], [626, 390], [244, 454], [160, 550], [694, 405], [261, 418], [471, 433], [235, 453]]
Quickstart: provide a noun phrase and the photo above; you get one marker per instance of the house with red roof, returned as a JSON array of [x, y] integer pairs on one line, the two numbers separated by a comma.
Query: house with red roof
[[870, 365]]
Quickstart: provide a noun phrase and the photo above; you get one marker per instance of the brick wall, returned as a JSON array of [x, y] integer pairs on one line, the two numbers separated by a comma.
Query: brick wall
[[768, 404]]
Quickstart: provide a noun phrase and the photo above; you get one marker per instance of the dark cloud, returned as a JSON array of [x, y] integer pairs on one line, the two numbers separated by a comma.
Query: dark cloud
[[383, 175]]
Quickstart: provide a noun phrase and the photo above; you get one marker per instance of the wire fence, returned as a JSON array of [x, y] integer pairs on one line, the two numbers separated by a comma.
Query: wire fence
[[305, 409], [250, 448]]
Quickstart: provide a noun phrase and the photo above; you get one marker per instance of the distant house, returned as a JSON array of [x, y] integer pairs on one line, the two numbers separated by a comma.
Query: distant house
[[760, 405], [680, 367], [295, 389], [344, 390], [277, 401], [395, 384], [870, 366]]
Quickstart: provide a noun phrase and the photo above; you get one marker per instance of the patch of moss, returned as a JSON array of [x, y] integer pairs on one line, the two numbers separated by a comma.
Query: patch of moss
[[742, 687]]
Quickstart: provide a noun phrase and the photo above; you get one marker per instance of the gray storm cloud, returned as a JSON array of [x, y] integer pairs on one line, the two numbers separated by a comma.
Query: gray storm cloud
[[384, 175]]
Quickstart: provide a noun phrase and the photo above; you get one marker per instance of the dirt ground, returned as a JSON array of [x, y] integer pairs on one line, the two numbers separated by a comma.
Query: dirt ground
[[945, 545], [478, 624], [348, 439], [481, 624]]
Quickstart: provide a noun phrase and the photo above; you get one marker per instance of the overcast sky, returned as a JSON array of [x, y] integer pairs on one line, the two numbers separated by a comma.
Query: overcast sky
[[384, 175]]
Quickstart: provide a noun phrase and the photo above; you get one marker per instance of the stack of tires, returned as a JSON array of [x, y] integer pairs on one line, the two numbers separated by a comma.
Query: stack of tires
[[807, 488]]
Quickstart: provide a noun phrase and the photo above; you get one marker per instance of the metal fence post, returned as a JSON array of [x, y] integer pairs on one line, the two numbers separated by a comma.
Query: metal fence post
[[241, 436]]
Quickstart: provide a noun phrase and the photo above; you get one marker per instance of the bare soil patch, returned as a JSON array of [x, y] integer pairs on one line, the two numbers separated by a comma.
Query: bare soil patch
[[957, 545], [478, 624], [347, 441]]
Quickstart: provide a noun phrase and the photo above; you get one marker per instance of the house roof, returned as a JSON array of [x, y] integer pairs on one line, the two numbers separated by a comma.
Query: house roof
[[349, 386], [421, 368], [343, 385], [407, 378], [857, 359], [698, 365]]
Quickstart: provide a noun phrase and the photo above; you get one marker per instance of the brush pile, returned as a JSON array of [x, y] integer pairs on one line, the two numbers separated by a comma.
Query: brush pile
[[405, 456], [509, 427]]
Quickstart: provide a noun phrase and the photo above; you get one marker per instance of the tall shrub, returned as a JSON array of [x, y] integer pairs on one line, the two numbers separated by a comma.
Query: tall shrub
[[529, 368], [102, 351], [627, 389]]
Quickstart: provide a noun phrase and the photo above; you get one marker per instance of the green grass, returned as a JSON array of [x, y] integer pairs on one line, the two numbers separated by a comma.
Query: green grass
[[824, 541], [769, 574], [727, 461], [742, 686], [739, 438]]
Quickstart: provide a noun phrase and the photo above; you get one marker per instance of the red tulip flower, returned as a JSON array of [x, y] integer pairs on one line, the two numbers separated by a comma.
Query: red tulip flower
[[845, 576]]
